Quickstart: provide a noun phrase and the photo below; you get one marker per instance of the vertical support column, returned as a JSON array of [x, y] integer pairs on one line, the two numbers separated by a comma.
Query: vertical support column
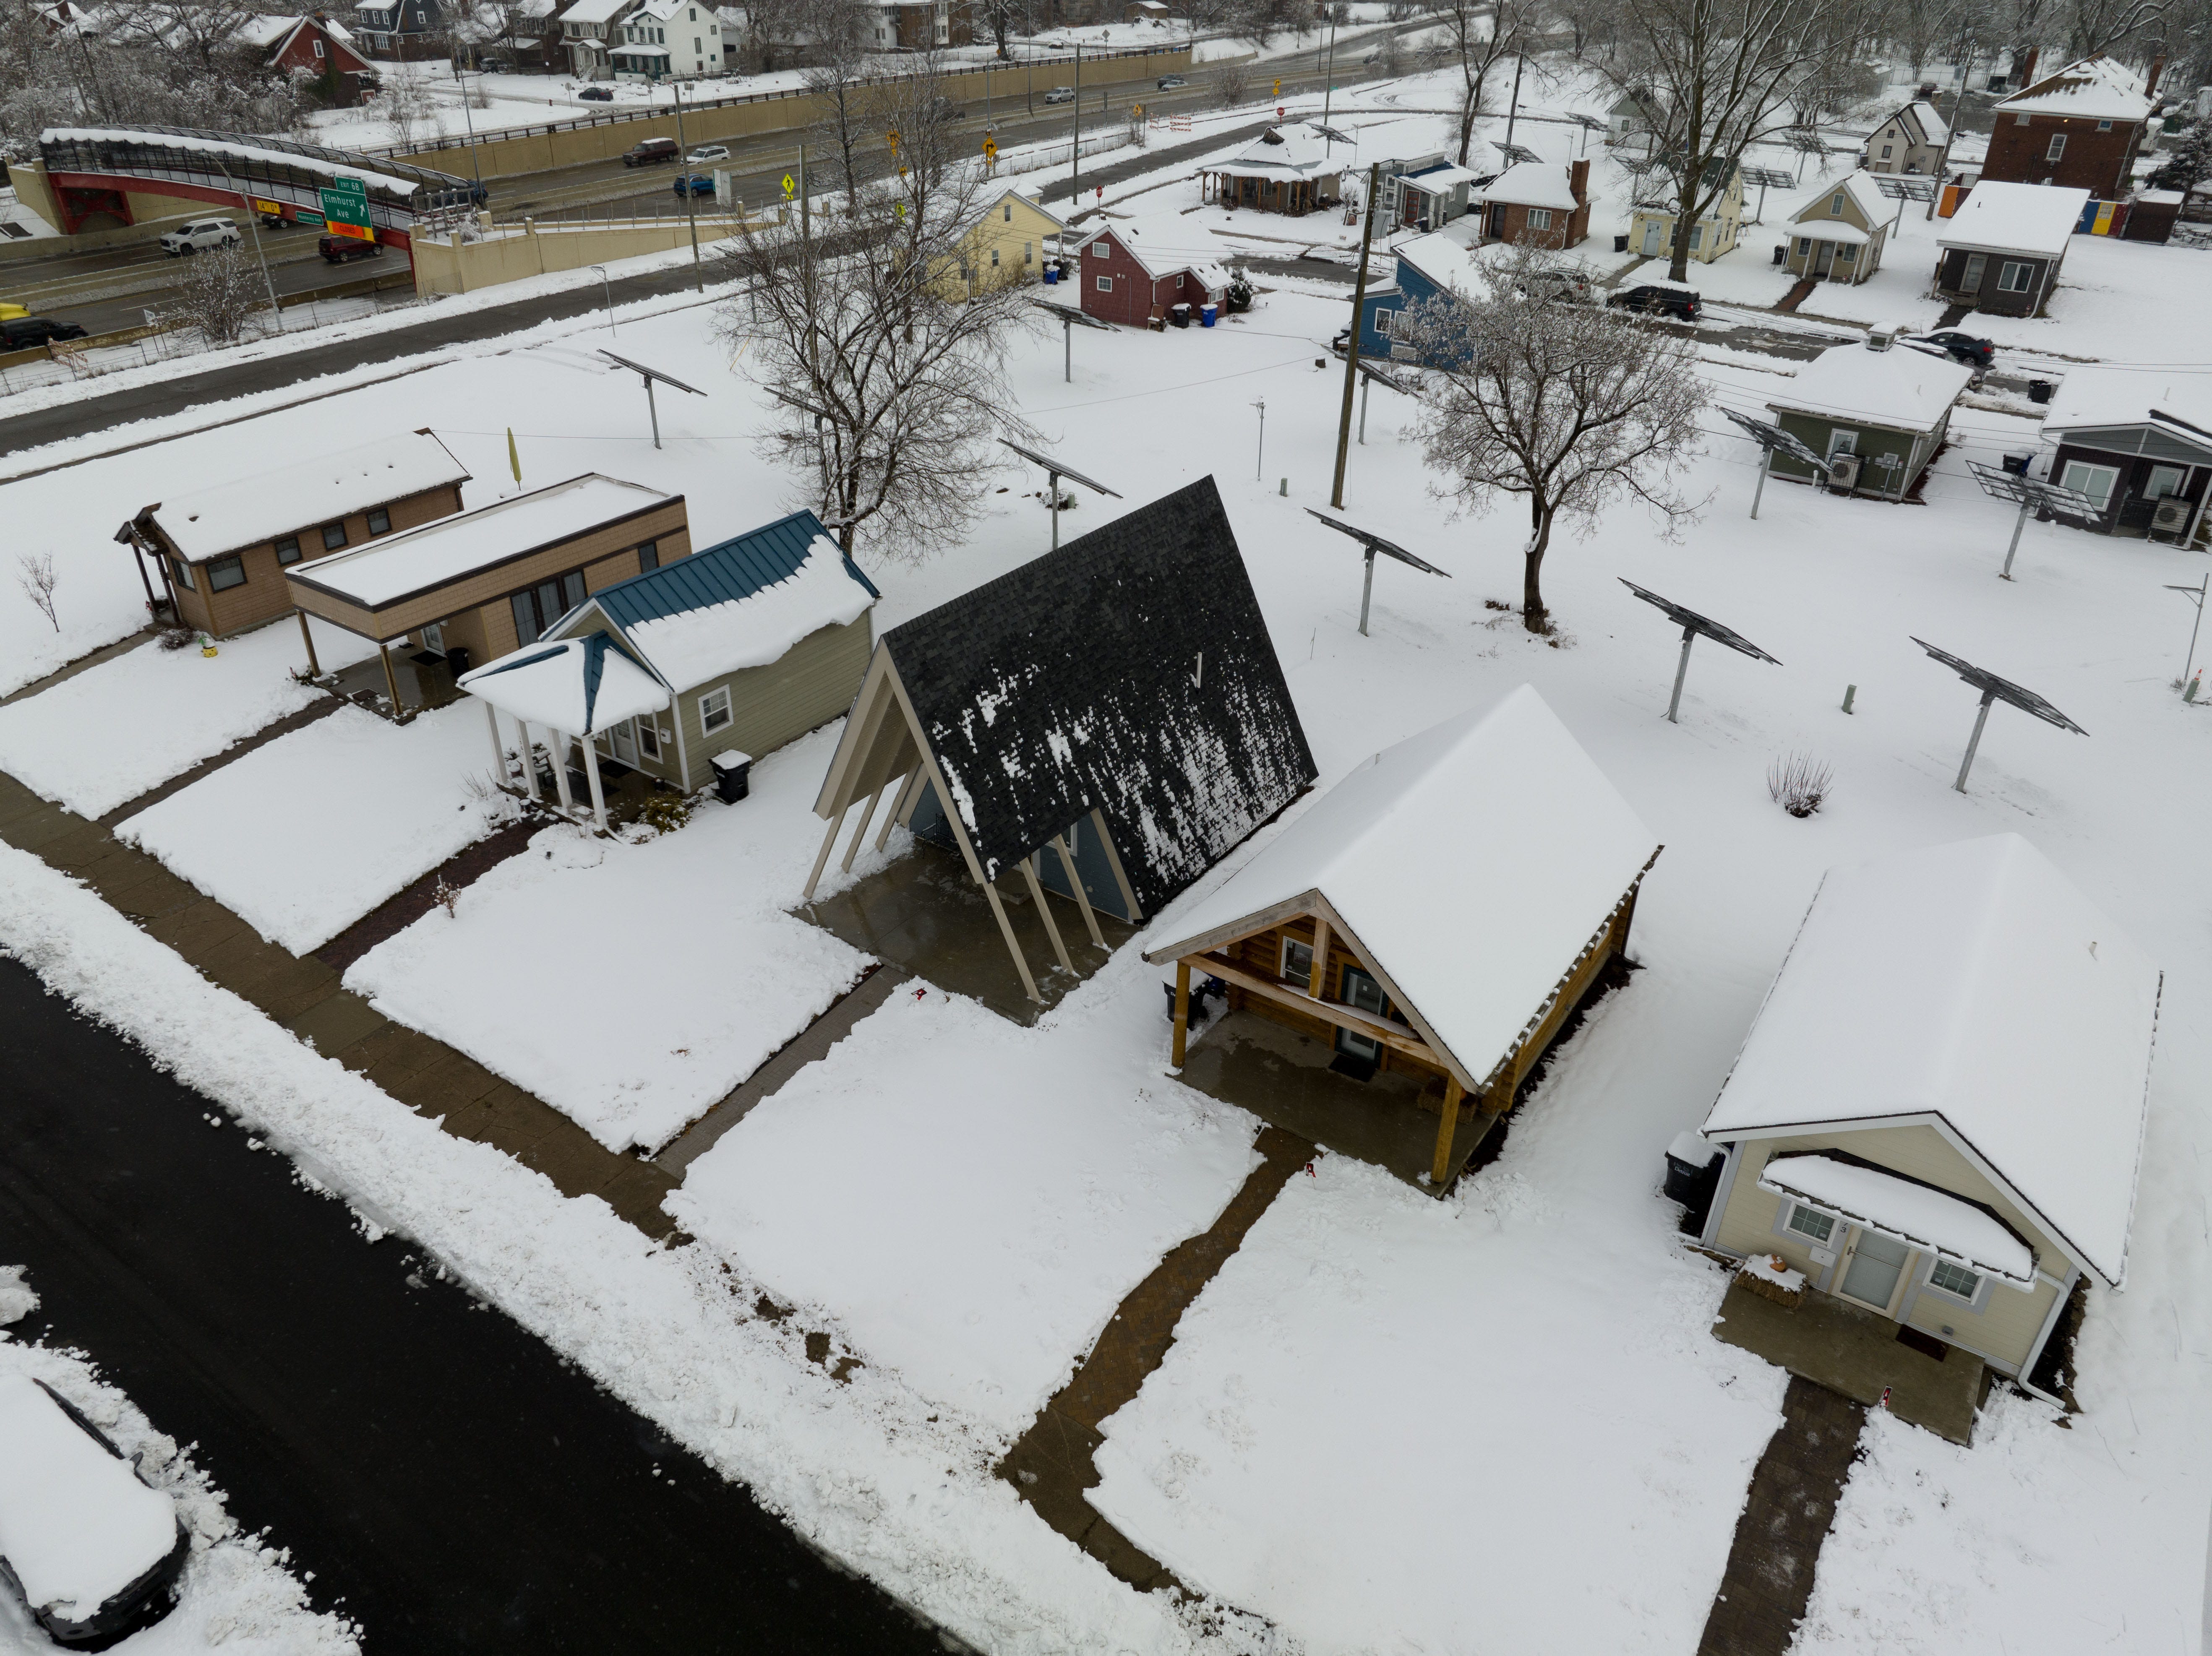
[[821, 857], [2018, 524], [308, 638], [1075, 884], [529, 761], [1765, 461], [1681, 671], [900, 802], [559, 744], [592, 775], [498, 747], [1317, 980], [860, 831], [1981, 717], [1182, 1013], [391, 680], [1051, 927], [1366, 590], [1440, 1168]]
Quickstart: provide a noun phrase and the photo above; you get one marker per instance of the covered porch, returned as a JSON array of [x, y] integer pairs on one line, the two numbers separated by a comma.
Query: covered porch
[[573, 691]]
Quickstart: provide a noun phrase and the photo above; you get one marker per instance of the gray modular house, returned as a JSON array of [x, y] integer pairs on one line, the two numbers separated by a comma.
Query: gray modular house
[[1878, 412], [2143, 453], [2002, 249]]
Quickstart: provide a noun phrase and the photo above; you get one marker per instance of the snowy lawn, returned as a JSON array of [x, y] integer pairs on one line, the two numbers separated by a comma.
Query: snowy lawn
[[2120, 301], [630, 985], [302, 838], [102, 738], [1033, 1178], [236, 1594]]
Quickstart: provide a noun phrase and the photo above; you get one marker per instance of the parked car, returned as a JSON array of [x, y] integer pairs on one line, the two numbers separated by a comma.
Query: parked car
[[694, 184], [1375, 57], [95, 1552], [492, 66], [340, 250], [707, 153], [1964, 346], [652, 150], [199, 234], [1659, 298], [1566, 286], [1061, 94], [1169, 82], [21, 332], [597, 94], [944, 109]]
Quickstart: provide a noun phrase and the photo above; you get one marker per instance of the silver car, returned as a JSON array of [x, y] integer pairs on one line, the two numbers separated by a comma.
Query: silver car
[[1061, 94]]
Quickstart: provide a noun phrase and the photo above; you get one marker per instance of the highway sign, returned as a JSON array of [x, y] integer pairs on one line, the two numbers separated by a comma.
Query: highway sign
[[345, 202], [790, 185], [990, 149], [359, 232]]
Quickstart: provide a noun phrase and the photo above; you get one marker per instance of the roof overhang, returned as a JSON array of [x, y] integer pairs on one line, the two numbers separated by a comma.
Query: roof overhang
[[1918, 1214]]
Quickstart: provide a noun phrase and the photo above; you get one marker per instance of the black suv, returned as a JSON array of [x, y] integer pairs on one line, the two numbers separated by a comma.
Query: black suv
[[1654, 299], [1963, 346], [652, 150], [21, 332]]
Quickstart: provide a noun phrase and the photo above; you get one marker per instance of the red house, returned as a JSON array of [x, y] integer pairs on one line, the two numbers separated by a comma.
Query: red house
[[318, 47], [1541, 202], [2079, 129], [1133, 269]]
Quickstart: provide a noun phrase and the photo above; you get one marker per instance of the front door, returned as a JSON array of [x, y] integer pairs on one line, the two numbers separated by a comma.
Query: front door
[[1825, 260], [1874, 1270], [624, 742], [1655, 235], [1364, 994]]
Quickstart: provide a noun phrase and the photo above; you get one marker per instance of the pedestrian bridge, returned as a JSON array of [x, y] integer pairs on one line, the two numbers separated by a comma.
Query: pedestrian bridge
[[94, 170]]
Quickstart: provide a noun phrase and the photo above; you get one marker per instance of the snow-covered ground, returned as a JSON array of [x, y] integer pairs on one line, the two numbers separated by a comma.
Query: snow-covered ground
[[102, 738], [303, 837], [236, 1594], [630, 985]]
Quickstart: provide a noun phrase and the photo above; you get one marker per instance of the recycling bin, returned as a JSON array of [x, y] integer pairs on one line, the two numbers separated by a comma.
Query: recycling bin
[[733, 774]]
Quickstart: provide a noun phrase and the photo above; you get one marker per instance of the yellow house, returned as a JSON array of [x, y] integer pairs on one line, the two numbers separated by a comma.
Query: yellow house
[[1007, 244], [1651, 232]]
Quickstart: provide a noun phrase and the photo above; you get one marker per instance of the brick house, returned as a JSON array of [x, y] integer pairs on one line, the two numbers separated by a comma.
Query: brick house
[[1132, 269], [2079, 129], [319, 48], [1540, 202]]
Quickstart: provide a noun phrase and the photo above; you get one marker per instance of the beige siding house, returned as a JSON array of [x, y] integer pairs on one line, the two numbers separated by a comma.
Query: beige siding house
[[1937, 1119], [1839, 234], [1007, 245], [1651, 229]]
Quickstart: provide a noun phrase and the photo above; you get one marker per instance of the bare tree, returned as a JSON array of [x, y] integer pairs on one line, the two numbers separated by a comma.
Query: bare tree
[[1575, 408], [1234, 83], [1261, 20], [1003, 20], [1482, 33], [2095, 25], [219, 293], [34, 574], [1591, 26], [896, 369]]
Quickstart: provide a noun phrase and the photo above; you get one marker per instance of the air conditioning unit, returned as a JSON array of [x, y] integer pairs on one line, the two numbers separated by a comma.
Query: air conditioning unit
[[2172, 517], [1842, 472]]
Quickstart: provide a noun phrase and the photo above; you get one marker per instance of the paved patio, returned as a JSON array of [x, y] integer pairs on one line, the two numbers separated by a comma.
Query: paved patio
[[1284, 1078], [1857, 1353]]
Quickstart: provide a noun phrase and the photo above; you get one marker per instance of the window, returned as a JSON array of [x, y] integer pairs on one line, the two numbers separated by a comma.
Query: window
[[1010, 212], [288, 549], [1297, 963], [2096, 482], [2164, 481], [1847, 254], [1971, 282], [1029, 252], [540, 606], [1804, 247], [1842, 442], [319, 48], [1836, 205], [1105, 284], [2013, 276], [2104, 126], [715, 709], [648, 557], [334, 536], [1540, 218], [2020, 120], [184, 573], [1955, 1280], [1886, 148], [1696, 237], [224, 573], [380, 521], [2058, 147], [1178, 281], [648, 739], [1813, 1225]]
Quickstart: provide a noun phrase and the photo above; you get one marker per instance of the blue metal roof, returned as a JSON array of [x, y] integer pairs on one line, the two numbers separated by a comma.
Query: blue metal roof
[[724, 574]]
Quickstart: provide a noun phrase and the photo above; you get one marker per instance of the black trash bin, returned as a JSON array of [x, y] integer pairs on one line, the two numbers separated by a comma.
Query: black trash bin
[[2018, 463], [458, 658], [2041, 391], [1620, 244], [1693, 1169], [733, 776], [1781, 252], [1179, 316]]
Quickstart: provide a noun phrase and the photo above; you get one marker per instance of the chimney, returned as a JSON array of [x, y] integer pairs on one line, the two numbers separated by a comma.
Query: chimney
[[1578, 180], [2027, 75], [2157, 69]]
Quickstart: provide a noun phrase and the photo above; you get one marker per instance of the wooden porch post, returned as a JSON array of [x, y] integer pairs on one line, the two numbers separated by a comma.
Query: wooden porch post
[[860, 831], [1051, 927], [308, 638], [1182, 1014], [498, 747], [908, 789], [592, 775], [1317, 980], [1440, 1167], [391, 679], [1075, 881], [821, 857], [1014, 944], [559, 744]]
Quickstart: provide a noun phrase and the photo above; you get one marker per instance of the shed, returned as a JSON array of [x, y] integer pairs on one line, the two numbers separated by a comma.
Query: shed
[[222, 551], [2140, 446], [1542, 203], [2002, 249], [1938, 1115], [1890, 408], [1134, 268], [1108, 720], [1838, 236], [1458, 970]]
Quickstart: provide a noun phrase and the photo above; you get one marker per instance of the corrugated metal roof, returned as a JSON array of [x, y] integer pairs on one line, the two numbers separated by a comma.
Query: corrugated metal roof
[[724, 574]]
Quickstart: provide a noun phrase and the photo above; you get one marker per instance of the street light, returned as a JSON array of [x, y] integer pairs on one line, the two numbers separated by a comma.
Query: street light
[[253, 223], [610, 288]]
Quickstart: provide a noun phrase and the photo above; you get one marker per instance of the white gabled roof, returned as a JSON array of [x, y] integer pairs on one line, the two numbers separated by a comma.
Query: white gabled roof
[[594, 11], [1865, 195], [1921, 116], [1164, 242], [1449, 261], [577, 685], [1974, 984], [1474, 930], [211, 521], [2096, 88], [1027, 201], [1910, 389], [1533, 183], [2015, 218]]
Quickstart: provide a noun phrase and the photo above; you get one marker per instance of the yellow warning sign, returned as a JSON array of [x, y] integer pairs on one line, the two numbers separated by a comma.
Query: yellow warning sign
[[790, 184]]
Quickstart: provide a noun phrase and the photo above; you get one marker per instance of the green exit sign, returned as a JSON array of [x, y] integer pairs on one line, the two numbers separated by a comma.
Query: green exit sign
[[345, 201]]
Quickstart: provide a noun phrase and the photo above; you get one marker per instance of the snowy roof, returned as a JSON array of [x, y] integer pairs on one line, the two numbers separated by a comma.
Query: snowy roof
[[1534, 883], [1920, 115], [2093, 396], [1972, 983], [1403, 142], [212, 521], [1017, 193], [1916, 1214], [1909, 390], [1450, 263], [1164, 242], [577, 685], [1299, 151], [1431, 179], [265, 31], [2015, 218], [1533, 183], [1075, 683], [77, 1526], [1860, 186], [153, 137], [2096, 88], [742, 603], [441, 551]]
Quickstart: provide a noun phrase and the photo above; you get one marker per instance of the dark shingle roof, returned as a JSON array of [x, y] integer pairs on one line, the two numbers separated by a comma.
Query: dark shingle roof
[[1074, 683], [723, 574]]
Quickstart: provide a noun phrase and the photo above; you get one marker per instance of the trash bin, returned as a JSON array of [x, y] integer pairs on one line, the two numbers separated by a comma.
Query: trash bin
[[1692, 1170], [1620, 244], [733, 776], [1206, 315], [458, 658], [2017, 464], [2040, 390], [1051, 276], [1179, 315], [1781, 252]]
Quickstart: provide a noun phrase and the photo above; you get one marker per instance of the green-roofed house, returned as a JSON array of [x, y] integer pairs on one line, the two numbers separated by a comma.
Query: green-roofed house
[[735, 649]]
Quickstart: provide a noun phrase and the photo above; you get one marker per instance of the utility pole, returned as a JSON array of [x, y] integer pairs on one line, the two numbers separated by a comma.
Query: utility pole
[[1513, 110], [254, 222], [690, 201], [475, 163], [1075, 148], [1352, 344], [1328, 86]]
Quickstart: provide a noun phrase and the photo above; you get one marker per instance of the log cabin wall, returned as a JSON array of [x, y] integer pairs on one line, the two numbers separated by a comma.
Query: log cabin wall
[[1262, 954]]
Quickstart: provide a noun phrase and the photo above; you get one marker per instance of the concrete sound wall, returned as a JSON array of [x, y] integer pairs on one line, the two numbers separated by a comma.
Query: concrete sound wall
[[446, 264]]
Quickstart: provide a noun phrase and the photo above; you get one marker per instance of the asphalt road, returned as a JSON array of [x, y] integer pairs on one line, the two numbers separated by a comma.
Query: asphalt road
[[453, 1485], [107, 297]]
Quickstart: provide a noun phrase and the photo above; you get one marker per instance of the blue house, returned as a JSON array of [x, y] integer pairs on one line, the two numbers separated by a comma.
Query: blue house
[[1429, 267]]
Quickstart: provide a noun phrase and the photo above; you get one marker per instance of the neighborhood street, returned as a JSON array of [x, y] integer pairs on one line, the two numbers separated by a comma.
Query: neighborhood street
[[452, 1484]]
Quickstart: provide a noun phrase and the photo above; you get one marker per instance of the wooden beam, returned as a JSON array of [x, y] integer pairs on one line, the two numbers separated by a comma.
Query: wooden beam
[[821, 857], [392, 681], [1317, 976], [860, 831], [314, 668], [1303, 906], [1182, 1013], [1075, 884], [1344, 1017], [1440, 1168], [1051, 925], [1120, 875], [907, 790], [1013, 947]]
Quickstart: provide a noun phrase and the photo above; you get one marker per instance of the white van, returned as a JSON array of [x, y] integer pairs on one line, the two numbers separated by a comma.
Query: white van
[[199, 234]]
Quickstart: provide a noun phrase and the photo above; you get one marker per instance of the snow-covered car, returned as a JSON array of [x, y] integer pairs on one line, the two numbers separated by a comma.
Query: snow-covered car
[[93, 1551], [201, 233], [1061, 94], [708, 152], [1565, 287]]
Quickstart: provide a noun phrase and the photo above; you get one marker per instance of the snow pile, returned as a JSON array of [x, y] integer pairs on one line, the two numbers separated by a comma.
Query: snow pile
[[574, 687], [1914, 1213], [1772, 1268], [702, 645], [302, 838], [119, 729], [278, 501], [630, 985], [1031, 1182], [76, 1527]]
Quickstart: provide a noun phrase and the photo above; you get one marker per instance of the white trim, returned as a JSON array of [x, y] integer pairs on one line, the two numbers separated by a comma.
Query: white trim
[[729, 709], [2043, 1337], [1711, 1236], [1283, 962]]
